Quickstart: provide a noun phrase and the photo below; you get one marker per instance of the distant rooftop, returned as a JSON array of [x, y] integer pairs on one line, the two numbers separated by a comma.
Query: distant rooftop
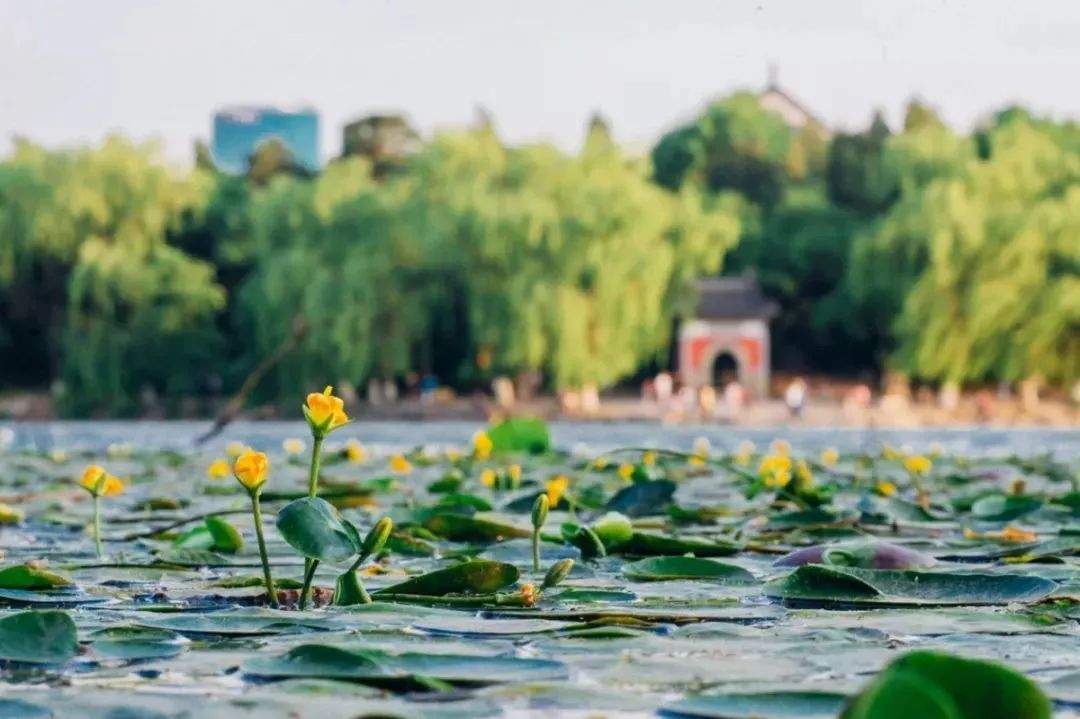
[[251, 113], [733, 298]]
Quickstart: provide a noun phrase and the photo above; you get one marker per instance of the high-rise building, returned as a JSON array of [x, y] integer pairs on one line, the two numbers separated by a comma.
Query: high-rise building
[[238, 132]]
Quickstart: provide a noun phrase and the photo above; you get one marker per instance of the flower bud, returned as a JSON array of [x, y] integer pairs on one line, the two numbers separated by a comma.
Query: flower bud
[[558, 572], [540, 511], [377, 537]]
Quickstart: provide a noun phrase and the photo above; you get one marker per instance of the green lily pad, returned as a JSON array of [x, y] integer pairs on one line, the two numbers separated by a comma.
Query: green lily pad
[[481, 576], [227, 538], [820, 583], [315, 529], [643, 498], [942, 686], [459, 528], [38, 637], [520, 434], [1001, 508], [647, 544], [658, 569], [334, 662], [22, 576], [765, 705]]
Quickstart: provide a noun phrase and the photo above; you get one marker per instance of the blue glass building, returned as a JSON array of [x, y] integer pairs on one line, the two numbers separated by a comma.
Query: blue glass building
[[239, 131]]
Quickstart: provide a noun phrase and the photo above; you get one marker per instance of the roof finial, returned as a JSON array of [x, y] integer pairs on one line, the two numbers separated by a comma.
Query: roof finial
[[774, 76]]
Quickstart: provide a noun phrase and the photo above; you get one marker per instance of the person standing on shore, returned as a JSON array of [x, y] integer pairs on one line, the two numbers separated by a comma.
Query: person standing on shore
[[795, 397]]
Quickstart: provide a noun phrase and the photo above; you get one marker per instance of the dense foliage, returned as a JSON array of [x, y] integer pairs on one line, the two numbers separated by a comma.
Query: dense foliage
[[950, 257]]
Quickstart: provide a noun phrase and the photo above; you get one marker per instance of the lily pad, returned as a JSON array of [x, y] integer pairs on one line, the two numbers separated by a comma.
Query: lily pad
[[23, 576], [765, 705], [460, 528], [658, 569], [481, 576], [819, 583], [936, 685], [38, 637], [643, 498], [334, 662], [520, 434]]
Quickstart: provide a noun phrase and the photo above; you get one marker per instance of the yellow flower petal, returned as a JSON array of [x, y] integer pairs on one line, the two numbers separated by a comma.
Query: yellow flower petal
[[251, 468]]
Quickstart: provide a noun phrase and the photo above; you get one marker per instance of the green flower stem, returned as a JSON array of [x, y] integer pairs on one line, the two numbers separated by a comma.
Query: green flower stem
[[309, 575], [97, 525], [316, 457], [536, 549], [257, 514], [313, 491]]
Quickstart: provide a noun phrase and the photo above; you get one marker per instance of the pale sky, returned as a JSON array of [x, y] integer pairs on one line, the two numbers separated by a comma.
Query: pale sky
[[71, 71]]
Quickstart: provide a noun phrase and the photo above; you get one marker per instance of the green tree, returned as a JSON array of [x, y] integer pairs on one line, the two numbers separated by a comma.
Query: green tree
[[736, 144]]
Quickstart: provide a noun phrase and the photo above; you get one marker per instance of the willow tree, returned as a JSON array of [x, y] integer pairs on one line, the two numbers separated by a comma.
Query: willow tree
[[572, 265], [336, 253], [92, 226], [999, 298]]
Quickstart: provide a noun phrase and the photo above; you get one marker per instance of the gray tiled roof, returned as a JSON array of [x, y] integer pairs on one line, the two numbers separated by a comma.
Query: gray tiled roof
[[734, 298]]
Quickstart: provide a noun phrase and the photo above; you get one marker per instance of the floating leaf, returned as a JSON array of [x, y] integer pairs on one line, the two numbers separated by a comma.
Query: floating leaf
[[647, 544], [481, 576], [520, 434], [38, 637], [875, 555], [334, 662], [459, 528], [315, 529], [765, 705], [936, 685], [24, 576], [815, 582], [1001, 508], [643, 498], [657, 569], [227, 538]]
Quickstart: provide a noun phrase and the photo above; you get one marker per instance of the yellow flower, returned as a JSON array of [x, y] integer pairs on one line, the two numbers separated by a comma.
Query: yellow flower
[[829, 457], [514, 473], [100, 483], [1009, 535], [400, 465], [702, 448], [487, 478], [1017, 535], [528, 594], [918, 464], [885, 488], [293, 446], [355, 451], [482, 445], [648, 458], [890, 452], [781, 447], [696, 460], [744, 453], [218, 469], [626, 471], [324, 411], [250, 469], [556, 488], [778, 478], [59, 456], [600, 463], [775, 470], [234, 449], [803, 474], [453, 454], [10, 515]]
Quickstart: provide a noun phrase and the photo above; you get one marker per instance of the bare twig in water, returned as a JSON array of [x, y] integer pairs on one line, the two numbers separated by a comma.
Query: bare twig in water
[[236, 404]]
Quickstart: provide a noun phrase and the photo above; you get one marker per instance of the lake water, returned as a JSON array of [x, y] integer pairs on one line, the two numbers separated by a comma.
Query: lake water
[[592, 436]]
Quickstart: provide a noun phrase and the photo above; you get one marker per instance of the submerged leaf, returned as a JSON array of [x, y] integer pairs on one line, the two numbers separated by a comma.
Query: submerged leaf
[[39, 637]]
